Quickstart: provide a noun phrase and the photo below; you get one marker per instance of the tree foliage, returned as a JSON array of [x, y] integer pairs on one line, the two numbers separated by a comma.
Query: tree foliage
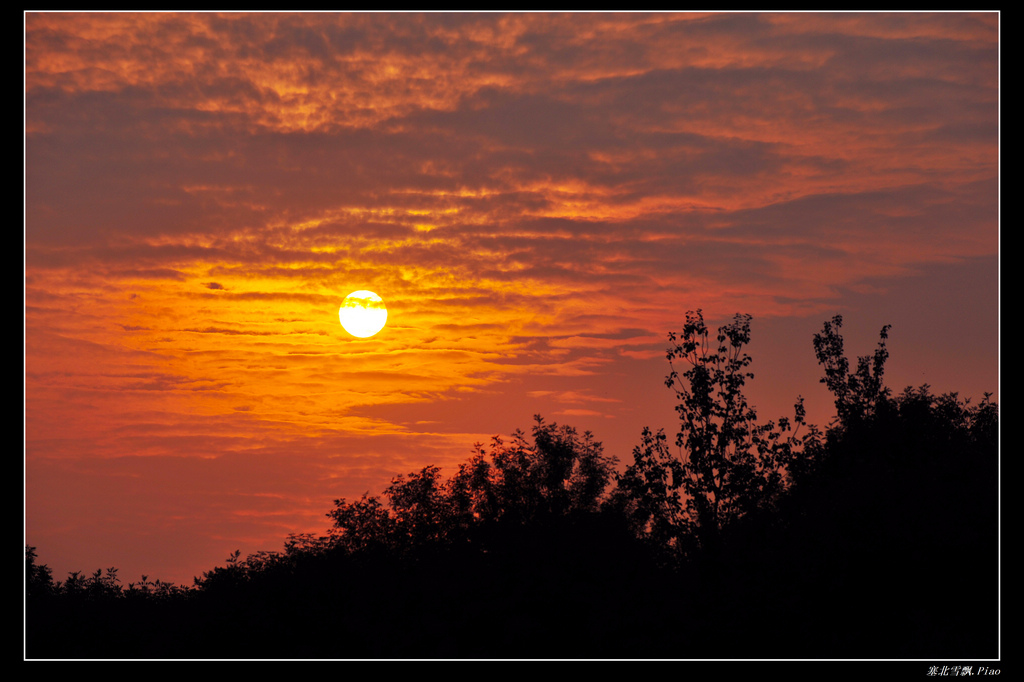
[[858, 394], [726, 463], [869, 418], [38, 577], [557, 472]]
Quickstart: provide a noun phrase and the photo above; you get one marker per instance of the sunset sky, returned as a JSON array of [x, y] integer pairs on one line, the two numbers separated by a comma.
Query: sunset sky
[[538, 199]]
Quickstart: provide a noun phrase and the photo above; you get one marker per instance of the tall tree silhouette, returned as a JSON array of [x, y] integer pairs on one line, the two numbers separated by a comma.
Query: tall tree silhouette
[[726, 463], [857, 394]]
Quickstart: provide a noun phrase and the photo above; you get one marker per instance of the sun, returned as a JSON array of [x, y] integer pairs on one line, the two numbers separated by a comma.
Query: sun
[[363, 314]]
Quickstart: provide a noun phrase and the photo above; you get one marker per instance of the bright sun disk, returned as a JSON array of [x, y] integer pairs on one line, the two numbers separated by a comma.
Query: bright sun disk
[[363, 314]]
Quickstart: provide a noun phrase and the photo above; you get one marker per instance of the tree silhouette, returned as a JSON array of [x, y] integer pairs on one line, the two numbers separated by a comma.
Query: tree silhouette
[[894, 520], [421, 511], [361, 525], [558, 473], [38, 577], [727, 464], [859, 394]]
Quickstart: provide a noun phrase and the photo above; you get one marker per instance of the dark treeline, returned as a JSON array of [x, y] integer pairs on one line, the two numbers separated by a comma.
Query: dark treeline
[[737, 538]]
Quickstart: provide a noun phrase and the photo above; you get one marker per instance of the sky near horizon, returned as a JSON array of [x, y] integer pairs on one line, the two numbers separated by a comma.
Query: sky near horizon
[[538, 198]]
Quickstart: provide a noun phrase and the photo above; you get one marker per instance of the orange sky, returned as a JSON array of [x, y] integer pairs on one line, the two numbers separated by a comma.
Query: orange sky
[[539, 199]]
